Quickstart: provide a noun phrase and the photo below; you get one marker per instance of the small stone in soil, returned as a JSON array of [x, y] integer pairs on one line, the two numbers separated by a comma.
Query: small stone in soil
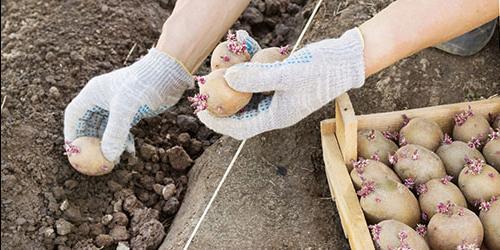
[[147, 151], [171, 206], [184, 139], [119, 219], [168, 191], [119, 233], [54, 92], [178, 158], [106, 219], [122, 245], [63, 227], [158, 188], [49, 233], [131, 203], [103, 240]]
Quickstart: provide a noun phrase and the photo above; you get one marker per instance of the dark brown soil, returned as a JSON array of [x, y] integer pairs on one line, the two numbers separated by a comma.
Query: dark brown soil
[[50, 49]]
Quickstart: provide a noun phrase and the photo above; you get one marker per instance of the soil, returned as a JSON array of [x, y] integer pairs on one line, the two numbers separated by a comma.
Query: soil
[[50, 49]]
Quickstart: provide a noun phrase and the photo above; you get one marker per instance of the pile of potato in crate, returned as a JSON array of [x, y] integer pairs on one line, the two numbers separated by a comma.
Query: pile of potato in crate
[[432, 191]]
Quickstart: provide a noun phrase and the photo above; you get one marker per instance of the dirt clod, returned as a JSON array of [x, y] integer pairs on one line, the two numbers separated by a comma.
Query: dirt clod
[[119, 233], [171, 206], [63, 227], [168, 191], [106, 219], [178, 158], [119, 219], [188, 123], [150, 235], [147, 151], [104, 240]]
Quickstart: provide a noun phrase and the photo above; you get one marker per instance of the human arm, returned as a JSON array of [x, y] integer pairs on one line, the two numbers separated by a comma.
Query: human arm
[[110, 104], [321, 71]]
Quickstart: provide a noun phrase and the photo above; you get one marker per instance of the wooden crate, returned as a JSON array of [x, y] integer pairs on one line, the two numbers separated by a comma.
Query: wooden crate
[[339, 143]]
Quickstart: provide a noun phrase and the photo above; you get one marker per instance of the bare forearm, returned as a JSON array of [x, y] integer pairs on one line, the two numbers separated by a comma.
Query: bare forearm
[[408, 26], [195, 27]]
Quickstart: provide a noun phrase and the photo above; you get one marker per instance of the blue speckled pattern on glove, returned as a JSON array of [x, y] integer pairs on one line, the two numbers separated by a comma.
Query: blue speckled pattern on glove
[[110, 104], [303, 83]]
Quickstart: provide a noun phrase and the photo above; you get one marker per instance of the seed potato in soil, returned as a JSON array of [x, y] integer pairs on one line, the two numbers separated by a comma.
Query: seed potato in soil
[[418, 164], [491, 152], [490, 217], [454, 226], [478, 181], [371, 170], [423, 132], [387, 200], [435, 191], [470, 126], [453, 155], [85, 156], [372, 143], [392, 234]]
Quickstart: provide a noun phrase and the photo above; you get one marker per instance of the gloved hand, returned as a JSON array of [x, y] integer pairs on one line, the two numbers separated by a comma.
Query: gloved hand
[[303, 83], [110, 104]]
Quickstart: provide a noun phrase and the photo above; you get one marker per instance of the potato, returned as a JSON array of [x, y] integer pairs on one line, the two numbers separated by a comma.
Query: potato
[[85, 156], [389, 200], [491, 152], [269, 55], [496, 123], [372, 142], [439, 190], [478, 181], [452, 227], [222, 100], [223, 58], [453, 156], [422, 132], [490, 217], [470, 126], [418, 163], [371, 170], [392, 234]]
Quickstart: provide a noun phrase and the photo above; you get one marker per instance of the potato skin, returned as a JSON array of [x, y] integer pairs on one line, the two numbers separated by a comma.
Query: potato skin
[[427, 166], [375, 171], [222, 99], [446, 232], [90, 160], [388, 238], [438, 191], [491, 152], [391, 200], [423, 132], [378, 144], [479, 187], [491, 224], [475, 126], [453, 155], [217, 61], [268, 55]]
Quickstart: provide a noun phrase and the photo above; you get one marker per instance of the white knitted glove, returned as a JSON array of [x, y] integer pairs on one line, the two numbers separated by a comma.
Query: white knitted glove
[[110, 104], [303, 83]]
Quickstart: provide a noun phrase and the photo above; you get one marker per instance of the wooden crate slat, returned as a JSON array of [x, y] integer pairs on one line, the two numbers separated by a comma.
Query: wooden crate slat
[[442, 115], [342, 189], [346, 128]]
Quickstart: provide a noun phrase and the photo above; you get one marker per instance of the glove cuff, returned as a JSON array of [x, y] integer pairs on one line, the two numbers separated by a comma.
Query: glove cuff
[[353, 45], [162, 69]]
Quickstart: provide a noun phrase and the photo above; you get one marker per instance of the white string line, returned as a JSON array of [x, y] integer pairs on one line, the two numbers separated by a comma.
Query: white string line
[[235, 157]]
